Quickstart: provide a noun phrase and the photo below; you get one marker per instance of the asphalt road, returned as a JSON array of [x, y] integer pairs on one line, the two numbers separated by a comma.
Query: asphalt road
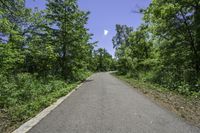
[[106, 105]]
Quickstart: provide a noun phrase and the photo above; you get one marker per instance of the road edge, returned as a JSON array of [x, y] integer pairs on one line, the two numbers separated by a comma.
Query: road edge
[[166, 105], [24, 128]]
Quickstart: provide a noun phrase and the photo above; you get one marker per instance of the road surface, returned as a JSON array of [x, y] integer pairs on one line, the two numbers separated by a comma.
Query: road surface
[[104, 104]]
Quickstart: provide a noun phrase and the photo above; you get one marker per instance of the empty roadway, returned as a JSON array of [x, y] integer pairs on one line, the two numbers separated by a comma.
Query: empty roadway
[[104, 104]]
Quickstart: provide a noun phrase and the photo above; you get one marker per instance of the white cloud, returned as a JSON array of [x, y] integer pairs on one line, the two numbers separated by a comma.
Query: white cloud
[[106, 32]]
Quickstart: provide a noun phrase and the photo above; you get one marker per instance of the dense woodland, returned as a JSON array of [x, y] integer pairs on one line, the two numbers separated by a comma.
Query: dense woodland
[[165, 49], [43, 54]]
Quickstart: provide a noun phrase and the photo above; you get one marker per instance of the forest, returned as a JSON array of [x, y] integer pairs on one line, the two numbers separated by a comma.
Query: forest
[[165, 49], [44, 54]]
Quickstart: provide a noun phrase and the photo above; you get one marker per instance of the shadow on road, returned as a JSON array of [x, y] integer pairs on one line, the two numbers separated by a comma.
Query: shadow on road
[[89, 80]]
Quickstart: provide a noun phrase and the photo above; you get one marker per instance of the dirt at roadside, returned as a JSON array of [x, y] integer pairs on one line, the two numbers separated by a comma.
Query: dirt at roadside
[[6, 124], [187, 108], [3, 120]]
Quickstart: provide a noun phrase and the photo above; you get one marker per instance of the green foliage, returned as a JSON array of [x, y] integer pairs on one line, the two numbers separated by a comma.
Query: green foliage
[[66, 25], [43, 54], [24, 96], [104, 61], [80, 74], [53, 41], [165, 49], [25, 87]]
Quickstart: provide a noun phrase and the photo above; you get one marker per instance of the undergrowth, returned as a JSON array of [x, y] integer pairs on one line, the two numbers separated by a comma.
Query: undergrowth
[[23, 96]]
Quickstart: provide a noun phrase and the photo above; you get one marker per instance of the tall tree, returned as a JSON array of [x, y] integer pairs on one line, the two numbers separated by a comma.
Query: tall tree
[[66, 23], [104, 60], [13, 26], [176, 23]]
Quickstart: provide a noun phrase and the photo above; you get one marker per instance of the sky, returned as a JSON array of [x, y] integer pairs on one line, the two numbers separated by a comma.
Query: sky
[[104, 15]]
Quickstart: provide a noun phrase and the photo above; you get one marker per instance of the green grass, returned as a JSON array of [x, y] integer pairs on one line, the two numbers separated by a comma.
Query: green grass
[[140, 84], [24, 96], [146, 86]]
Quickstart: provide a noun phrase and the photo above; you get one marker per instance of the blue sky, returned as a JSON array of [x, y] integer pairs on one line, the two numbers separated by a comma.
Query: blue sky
[[105, 14]]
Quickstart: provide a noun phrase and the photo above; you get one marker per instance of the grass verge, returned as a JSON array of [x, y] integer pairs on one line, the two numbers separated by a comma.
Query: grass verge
[[187, 107], [25, 96]]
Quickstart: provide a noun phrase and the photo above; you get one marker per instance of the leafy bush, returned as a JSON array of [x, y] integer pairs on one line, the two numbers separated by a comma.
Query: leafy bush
[[23, 95], [184, 89], [79, 74]]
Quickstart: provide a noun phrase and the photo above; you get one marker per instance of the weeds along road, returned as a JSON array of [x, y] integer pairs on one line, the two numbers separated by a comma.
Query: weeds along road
[[104, 104]]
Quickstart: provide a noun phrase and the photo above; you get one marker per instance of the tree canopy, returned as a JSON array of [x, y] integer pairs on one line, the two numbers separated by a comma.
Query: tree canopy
[[53, 41], [165, 48]]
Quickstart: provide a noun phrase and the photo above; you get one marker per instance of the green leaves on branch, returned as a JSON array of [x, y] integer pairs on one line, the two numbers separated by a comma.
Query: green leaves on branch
[[166, 48], [53, 41]]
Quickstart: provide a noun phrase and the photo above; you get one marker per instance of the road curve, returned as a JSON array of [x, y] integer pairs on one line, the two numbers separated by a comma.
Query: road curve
[[106, 105]]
